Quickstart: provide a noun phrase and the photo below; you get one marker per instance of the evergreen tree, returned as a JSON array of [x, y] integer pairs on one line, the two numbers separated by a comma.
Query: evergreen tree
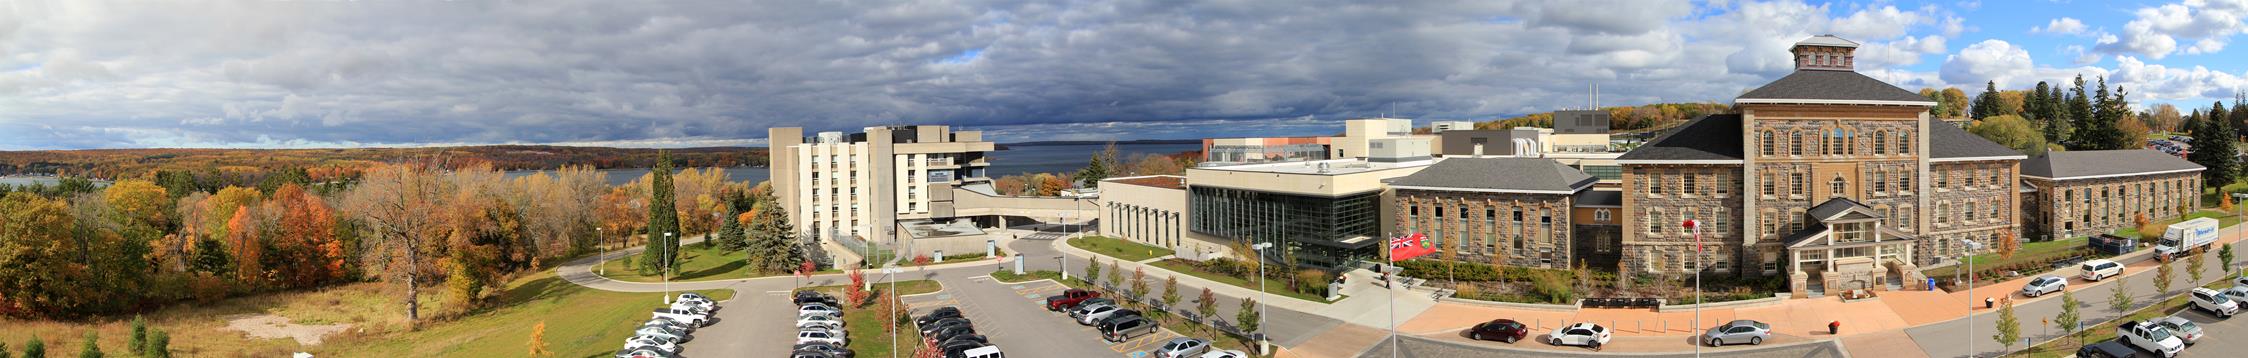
[[2055, 113], [770, 239], [730, 236], [663, 217], [159, 345], [2079, 112], [140, 336], [1986, 104], [2239, 115], [1097, 168], [2033, 104], [2101, 128], [92, 346], [2212, 149], [35, 348]]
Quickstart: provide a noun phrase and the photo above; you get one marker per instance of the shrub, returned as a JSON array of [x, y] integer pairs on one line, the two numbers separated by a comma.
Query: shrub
[[159, 345], [1553, 286], [139, 337]]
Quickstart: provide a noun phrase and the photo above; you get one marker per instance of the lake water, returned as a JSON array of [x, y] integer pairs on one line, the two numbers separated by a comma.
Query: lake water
[[49, 181], [1020, 160]]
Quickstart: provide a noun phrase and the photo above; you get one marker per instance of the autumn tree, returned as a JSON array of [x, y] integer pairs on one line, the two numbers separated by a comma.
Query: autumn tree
[[1170, 292], [538, 341], [36, 245], [242, 241], [2119, 296], [2193, 268], [622, 212], [1093, 270], [2162, 278], [394, 202], [2011, 131], [307, 252], [2007, 244], [1139, 281], [856, 294], [1206, 304]]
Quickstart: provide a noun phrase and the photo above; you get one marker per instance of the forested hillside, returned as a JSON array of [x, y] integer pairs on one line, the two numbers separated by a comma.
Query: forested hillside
[[126, 163], [1622, 118]]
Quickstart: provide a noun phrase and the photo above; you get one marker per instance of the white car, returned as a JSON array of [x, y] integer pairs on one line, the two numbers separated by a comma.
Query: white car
[[2238, 294], [2150, 337], [818, 308], [660, 332], [690, 318], [1182, 347], [2044, 285], [2181, 327], [2240, 281], [652, 343], [819, 320], [1581, 334], [1225, 354], [2094, 270], [2212, 301], [1094, 314], [703, 304], [1088, 308], [819, 336]]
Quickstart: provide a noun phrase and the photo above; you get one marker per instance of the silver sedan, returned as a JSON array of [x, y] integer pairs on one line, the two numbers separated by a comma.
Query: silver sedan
[[1741, 331]]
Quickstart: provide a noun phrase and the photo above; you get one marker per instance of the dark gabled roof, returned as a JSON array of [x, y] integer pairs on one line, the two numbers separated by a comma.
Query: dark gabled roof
[[1712, 137], [1600, 198], [1807, 234], [1501, 174], [1838, 206], [1831, 86], [1946, 141], [2095, 163]]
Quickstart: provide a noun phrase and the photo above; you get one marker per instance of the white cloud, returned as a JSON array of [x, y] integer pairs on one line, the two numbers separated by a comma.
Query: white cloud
[[2157, 31], [2064, 26], [1990, 60]]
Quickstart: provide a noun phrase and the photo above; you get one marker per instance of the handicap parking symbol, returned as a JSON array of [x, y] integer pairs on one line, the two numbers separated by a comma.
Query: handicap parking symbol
[[1139, 354]]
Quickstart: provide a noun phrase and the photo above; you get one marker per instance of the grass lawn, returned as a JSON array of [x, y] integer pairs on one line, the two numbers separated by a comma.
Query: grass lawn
[[2028, 252], [580, 322], [2223, 220], [866, 321], [956, 258], [1273, 288], [1119, 248], [695, 263]]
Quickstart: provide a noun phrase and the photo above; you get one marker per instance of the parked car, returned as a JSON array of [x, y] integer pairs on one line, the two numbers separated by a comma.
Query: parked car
[[690, 318], [2240, 281], [939, 313], [1581, 334], [1226, 354], [811, 297], [828, 349], [2107, 349], [1125, 329], [2184, 329], [959, 346], [2094, 270], [656, 343], [1119, 314], [819, 336], [1097, 301], [1739, 331], [691, 308], [668, 325], [2044, 285], [818, 308], [2150, 337], [644, 353], [1503, 330], [1182, 347], [697, 300], [822, 324], [2238, 295], [949, 333], [932, 328], [978, 338], [983, 352], [2209, 300], [820, 319], [661, 332], [1086, 316], [1068, 298]]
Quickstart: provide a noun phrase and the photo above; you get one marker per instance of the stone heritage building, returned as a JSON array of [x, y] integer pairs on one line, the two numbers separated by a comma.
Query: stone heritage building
[[1501, 211], [2091, 192], [1832, 178]]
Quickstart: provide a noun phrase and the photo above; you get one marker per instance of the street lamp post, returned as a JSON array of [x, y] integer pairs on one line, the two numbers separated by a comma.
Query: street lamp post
[[1696, 227], [1261, 311], [1968, 256], [602, 265], [1065, 265], [667, 267], [891, 273]]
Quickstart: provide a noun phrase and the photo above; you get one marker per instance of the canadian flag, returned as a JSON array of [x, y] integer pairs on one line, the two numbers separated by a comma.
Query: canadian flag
[[1691, 226], [1409, 247]]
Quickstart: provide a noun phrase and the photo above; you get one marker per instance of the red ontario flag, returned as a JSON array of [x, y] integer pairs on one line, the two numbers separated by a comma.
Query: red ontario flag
[[1409, 247]]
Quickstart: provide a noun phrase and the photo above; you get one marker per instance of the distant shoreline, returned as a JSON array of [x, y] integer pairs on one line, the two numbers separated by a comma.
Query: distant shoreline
[[1101, 142]]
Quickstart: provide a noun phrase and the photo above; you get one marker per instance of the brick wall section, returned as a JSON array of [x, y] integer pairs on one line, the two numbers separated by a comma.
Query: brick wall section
[[2079, 207], [1488, 232]]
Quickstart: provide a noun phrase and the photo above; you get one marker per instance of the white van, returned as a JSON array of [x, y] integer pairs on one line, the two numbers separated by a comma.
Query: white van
[[2094, 270], [984, 352]]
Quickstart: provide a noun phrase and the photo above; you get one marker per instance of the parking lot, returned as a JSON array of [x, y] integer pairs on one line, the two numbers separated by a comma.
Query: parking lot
[[1030, 326], [2225, 337]]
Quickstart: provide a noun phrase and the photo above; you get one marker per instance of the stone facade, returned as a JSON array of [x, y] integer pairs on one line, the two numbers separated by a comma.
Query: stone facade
[[1970, 200], [1657, 198], [2077, 207], [1506, 229]]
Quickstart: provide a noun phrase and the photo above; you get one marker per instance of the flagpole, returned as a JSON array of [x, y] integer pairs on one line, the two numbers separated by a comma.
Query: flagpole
[[1696, 226], [1389, 288]]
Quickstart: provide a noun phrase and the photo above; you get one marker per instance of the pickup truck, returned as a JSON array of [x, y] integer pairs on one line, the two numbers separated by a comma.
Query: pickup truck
[[682, 316], [2150, 337], [1067, 298]]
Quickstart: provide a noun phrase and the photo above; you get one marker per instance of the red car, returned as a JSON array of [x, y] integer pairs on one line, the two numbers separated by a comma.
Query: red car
[[1503, 330], [1070, 297]]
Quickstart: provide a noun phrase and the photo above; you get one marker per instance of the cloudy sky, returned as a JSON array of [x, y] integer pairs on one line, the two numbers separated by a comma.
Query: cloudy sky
[[101, 74]]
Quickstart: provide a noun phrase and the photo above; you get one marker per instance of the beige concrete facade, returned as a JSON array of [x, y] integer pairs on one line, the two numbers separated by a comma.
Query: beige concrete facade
[[1152, 210], [860, 185]]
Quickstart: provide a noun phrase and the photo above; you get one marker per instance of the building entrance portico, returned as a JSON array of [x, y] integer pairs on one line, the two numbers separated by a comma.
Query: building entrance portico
[[1847, 248]]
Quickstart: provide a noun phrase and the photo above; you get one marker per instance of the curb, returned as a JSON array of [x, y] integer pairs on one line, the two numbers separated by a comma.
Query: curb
[[1509, 349]]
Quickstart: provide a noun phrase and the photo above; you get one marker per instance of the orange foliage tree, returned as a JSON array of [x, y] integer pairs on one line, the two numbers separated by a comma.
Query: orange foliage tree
[[242, 237], [307, 252]]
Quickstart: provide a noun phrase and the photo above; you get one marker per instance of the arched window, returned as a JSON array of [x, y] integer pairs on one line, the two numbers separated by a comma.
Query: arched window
[[1766, 143], [1838, 187], [1904, 143], [1881, 142]]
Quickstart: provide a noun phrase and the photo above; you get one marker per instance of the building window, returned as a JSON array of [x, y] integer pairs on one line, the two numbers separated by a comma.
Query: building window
[[1689, 188], [1904, 143], [1654, 183], [1726, 183], [1969, 215], [1765, 141], [1881, 142], [1880, 182], [1796, 185], [1766, 178], [1600, 215], [1655, 221], [1795, 145], [1837, 187]]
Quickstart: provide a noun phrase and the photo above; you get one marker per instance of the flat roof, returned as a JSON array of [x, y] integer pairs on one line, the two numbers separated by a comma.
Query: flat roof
[[1159, 181], [1331, 167]]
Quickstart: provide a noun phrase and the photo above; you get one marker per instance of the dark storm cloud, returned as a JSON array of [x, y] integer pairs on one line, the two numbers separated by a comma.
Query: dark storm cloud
[[94, 75]]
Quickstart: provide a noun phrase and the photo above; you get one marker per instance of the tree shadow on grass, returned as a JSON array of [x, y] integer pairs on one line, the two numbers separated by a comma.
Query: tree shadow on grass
[[730, 266]]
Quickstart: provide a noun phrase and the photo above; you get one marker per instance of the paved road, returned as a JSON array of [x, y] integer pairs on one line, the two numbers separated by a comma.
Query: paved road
[[1418, 347], [1953, 339]]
